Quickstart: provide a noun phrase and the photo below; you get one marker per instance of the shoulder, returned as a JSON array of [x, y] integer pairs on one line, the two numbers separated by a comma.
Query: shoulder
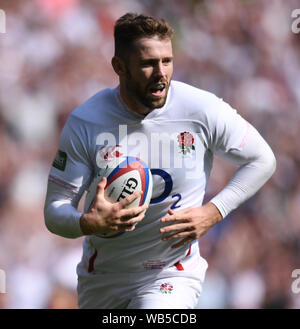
[[185, 91], [197, 103], [95, 107], [84, 119]]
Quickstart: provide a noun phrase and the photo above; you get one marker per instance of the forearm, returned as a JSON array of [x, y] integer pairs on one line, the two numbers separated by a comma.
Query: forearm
[[60, 212], [257, 164]]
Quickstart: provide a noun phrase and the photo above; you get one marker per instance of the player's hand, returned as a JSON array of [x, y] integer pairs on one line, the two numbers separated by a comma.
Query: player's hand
[[105, 216], [189, 224]]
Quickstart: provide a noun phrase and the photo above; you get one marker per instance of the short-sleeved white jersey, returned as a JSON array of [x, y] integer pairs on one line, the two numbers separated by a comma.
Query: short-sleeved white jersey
[[177, 142]]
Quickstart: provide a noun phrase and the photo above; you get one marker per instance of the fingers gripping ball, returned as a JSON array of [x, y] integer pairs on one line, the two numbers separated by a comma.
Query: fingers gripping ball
[[125, 175]]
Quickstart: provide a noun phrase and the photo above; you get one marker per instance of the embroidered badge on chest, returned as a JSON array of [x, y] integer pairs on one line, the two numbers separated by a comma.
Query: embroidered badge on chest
[[186, 142]]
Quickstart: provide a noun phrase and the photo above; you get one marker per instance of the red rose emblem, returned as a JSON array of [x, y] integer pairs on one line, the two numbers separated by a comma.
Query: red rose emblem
[[186, 141], [166, 288]]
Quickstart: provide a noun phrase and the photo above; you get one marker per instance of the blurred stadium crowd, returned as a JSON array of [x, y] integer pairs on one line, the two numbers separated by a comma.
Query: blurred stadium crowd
[[56, 53]]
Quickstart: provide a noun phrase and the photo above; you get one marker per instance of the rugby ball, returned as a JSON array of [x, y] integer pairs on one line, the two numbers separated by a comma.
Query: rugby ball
[[124, 175]]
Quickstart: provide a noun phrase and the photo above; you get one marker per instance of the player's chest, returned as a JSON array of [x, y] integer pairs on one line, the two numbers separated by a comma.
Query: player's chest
[[172, 146]]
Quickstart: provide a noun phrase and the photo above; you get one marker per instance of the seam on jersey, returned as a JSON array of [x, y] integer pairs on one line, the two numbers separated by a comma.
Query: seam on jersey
[[63, 184], [243, 142]]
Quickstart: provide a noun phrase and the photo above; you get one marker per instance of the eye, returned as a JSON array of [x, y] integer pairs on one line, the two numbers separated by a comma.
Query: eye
[[147, 63], [167, 60]]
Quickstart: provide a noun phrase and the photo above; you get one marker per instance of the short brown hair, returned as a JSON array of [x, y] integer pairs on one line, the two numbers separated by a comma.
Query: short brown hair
[[131, 27]]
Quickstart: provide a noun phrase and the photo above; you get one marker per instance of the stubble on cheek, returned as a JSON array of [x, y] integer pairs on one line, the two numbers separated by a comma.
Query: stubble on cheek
[[141, 93]]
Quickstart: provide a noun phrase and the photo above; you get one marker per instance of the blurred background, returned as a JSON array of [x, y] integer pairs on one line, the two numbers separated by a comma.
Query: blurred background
[[56, 53]]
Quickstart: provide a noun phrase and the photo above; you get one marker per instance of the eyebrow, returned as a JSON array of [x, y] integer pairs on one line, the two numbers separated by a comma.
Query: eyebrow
[[154, 59]]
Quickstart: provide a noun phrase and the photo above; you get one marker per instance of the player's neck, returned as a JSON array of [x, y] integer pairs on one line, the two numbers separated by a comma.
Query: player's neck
[[132, 104]]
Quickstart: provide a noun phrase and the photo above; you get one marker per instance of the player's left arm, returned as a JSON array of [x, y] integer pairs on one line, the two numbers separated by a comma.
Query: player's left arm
[[256, 163]]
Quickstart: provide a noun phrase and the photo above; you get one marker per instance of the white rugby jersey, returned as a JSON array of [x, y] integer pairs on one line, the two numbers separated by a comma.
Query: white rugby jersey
[[177, 142]]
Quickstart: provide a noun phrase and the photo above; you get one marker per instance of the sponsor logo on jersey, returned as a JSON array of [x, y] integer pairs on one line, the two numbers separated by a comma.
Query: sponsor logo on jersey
[[186, 142], [108, 152], [166, 288], [60, 160]]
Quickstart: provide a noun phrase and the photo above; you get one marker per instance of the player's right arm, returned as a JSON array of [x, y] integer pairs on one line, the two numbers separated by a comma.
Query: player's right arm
[[69, 176], [105, 216]]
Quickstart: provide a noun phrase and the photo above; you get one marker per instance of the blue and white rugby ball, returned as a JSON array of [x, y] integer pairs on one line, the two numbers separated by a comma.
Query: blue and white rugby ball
[[125, 175]]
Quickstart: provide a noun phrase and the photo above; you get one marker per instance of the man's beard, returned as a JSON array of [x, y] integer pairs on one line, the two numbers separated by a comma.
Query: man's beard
[[133, 88]]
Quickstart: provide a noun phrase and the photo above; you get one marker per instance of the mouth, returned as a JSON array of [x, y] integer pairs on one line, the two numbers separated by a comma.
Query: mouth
[[158, 89]]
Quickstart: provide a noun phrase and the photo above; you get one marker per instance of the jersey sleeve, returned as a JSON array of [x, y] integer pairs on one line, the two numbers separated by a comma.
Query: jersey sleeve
[[71, 166], [227, 129], [69, 175], [237, 141]]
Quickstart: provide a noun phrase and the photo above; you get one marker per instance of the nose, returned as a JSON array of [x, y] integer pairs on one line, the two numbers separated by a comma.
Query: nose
[[159, 70]]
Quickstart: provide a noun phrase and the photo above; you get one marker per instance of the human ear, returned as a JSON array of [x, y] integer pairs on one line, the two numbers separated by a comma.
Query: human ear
[[118, 66]]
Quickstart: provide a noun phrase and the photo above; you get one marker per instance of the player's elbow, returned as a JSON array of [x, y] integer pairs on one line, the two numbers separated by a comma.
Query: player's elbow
[[273, 164], [268, 161], [48, 219], [59, 220]]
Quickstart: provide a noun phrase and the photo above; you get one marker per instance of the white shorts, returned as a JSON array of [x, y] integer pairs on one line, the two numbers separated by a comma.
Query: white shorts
[[115, 292], [169, 293], [164, 289], [178, 286]]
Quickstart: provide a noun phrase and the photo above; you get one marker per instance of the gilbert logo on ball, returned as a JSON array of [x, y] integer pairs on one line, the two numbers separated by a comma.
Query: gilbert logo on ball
[[127, 175]]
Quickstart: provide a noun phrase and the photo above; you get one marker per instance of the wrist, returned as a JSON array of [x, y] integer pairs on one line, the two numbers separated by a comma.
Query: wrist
[[85, 225], [215, 212], [90, 224]]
